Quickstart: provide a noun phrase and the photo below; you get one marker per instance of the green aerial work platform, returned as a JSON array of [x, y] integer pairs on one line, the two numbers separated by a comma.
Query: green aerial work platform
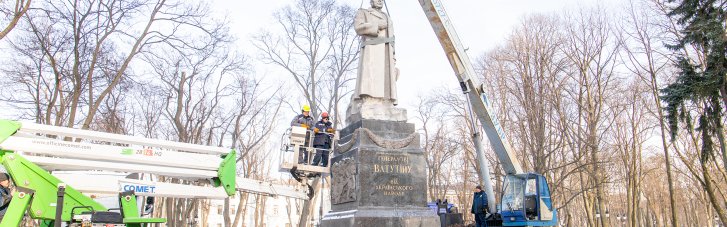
[[28, 151]]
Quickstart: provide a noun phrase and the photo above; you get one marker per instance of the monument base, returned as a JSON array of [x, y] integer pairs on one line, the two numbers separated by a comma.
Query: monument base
[[374, 109], [382, 217], [379, 177]]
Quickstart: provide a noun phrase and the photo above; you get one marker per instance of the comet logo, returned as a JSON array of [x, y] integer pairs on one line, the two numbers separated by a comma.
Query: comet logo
[[138, 188]]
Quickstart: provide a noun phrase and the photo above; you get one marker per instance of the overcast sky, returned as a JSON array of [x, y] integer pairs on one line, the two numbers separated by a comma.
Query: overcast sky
[[481, 24]]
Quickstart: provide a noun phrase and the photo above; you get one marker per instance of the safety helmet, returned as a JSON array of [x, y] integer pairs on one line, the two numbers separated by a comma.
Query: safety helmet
[[306, 108], [324, 115]]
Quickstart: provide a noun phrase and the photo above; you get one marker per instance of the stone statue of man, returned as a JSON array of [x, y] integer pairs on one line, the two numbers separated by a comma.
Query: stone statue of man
[[375, 93], [377, 73]]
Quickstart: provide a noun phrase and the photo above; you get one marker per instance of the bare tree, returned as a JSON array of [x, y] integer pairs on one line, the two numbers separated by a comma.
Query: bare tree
[[341, 71], [252, 129], [15, 13], [438, 144], [449, 147], [209, 97], [192, 109], [534, 80], [314, 44], [592, 49], [74, 55], [74, 68], [628, 136], [316, 47], [649, 62]]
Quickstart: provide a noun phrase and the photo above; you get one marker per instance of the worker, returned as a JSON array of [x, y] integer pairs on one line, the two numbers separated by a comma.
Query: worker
[[306, 121], [149, 207], [322, 140], [5, 195], [479, 207]]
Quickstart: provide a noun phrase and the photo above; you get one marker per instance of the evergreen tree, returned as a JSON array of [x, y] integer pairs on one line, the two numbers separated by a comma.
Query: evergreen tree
[[701, 84]]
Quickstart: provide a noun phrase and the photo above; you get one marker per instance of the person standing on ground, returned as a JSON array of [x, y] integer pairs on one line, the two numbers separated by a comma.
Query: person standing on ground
[[322, 141], [479, 207]]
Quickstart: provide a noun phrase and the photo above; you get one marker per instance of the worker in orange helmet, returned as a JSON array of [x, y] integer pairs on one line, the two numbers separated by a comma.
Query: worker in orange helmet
[[323, 140]]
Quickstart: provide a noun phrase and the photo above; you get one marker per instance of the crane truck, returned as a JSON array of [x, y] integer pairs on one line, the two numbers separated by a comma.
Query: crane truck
[[526, 196]]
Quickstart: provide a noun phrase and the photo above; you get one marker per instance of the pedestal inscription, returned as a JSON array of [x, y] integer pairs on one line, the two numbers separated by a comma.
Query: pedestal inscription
[[393, 164], [391, 178]]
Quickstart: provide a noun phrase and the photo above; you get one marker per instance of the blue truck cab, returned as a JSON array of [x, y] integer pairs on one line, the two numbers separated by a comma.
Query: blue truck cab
[[526, 201]]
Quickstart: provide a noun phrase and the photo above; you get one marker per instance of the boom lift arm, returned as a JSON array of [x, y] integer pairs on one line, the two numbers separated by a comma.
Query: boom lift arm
[[29, 150]]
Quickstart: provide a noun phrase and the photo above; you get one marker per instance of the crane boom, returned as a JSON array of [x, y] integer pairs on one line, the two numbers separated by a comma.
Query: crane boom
[[478, 99]]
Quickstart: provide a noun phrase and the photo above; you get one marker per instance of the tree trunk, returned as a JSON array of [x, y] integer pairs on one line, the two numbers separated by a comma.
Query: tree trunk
[[169, 210], [308, 205], [205, 212], [241, 207], [605, 219], [226, 212], [20, 9], [722, 144], [716, 203], [263, 201]]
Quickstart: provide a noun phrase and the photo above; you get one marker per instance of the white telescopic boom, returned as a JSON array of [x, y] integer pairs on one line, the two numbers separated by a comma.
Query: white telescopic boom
[[479, 102], [57, 148]]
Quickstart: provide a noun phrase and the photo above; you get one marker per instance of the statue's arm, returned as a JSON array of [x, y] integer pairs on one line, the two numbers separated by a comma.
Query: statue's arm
[[362, 26]]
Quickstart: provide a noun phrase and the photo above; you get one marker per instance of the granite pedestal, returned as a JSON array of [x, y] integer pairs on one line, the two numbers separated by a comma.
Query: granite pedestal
[[379, 177]]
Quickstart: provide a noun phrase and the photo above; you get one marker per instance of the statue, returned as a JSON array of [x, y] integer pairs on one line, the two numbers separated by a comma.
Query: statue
[[377, 134], [375, 93]]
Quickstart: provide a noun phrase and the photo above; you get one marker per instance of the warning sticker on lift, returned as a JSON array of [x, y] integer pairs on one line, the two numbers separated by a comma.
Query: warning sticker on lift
[[127, 151], [138, 188], [144, 152]]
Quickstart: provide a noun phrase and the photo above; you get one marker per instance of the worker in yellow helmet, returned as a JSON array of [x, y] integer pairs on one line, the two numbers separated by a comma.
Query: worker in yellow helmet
[[306, 121]]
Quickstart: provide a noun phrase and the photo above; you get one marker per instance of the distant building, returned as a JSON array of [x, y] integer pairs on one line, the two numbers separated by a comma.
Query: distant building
[[276, 212]]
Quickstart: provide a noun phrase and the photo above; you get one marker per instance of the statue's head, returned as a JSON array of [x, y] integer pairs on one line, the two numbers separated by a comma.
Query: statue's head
[[377, 4]]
